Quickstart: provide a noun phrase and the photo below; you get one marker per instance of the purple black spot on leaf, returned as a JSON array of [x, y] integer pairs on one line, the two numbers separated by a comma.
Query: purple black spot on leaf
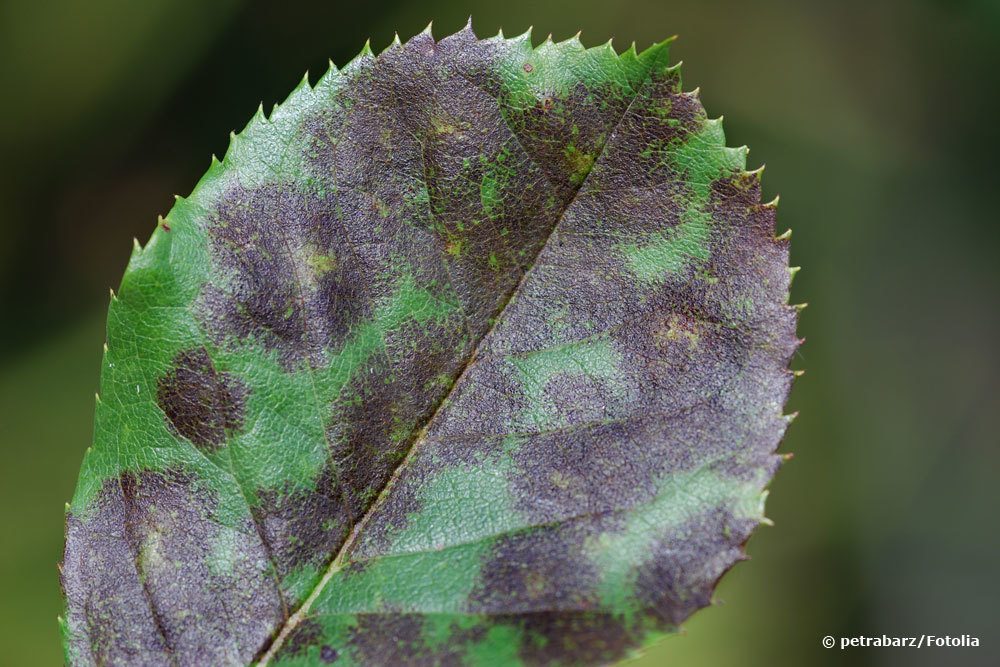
[[201, 403]]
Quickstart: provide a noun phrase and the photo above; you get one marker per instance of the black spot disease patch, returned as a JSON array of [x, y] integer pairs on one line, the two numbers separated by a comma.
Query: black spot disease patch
[[201, 403]]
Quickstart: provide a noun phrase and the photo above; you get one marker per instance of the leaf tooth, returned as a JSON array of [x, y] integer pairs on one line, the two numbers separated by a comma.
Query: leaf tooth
[[773, 203], [499, 34], [161, 221], [468, 26], [136, 248], [304, 84], [791, 417], [97, 397], [792, 272], [395, 43], [429, 30], [676, 69], [112, 291], [798, 372], [524, 39], [329, 76], [800, 307], [363, 56], [752, 178], [66, 508], [785, 235]]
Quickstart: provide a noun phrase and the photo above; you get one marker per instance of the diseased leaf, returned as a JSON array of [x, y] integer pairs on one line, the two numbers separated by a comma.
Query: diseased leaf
[[473, 353]]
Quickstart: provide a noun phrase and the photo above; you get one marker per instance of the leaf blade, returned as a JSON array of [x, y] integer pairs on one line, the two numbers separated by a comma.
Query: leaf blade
[[294, 466]]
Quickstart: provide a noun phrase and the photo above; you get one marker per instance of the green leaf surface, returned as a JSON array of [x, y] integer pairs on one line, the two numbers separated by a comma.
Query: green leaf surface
[[472, 353]]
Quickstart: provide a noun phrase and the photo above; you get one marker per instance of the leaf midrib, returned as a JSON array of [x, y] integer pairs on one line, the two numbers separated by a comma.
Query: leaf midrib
[[269, 652]]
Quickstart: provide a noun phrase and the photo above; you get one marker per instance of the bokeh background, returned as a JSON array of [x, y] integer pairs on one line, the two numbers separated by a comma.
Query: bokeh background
[[878, 122]]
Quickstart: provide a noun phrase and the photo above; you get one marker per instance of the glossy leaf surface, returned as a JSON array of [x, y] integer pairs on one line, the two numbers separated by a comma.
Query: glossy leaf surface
[[471, 353]]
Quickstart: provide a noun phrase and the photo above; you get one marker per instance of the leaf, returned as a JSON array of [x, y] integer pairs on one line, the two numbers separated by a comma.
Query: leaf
[[472, 353]]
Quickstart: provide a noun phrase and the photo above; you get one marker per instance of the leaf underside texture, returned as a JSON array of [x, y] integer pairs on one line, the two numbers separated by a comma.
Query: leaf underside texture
[[472, 353]]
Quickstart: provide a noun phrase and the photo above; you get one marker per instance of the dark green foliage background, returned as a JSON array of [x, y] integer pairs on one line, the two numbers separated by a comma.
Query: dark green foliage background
[[877, 122]]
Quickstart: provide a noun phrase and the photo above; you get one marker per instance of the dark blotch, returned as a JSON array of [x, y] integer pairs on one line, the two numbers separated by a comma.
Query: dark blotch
[[391, 639], [140, 583], [541, 569], [303, 527], [684, 566], [201, 403], [307, 634], [582, 638], [398, 639], [292, 280]]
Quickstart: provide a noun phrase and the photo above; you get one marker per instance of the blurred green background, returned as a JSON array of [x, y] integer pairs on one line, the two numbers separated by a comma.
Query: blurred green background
[[878, 124]]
